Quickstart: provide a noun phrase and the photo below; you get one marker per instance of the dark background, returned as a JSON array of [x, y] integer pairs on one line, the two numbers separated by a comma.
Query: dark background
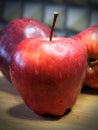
[[75, 15]]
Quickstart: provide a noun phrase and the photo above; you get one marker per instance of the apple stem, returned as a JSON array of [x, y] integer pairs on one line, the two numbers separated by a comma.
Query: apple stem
[[53, 24], [93, 63]]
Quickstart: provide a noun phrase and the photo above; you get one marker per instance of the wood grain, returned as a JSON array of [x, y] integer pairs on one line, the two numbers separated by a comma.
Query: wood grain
[[15, 115]]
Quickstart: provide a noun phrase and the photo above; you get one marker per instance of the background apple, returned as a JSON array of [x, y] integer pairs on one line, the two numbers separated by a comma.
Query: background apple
[[13, 33], [48, 74], [88, 39]]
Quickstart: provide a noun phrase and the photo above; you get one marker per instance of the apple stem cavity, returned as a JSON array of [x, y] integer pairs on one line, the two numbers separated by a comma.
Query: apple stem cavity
[[53, 24], [93, 63]]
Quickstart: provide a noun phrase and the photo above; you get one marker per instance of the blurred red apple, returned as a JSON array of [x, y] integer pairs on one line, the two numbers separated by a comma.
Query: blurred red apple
[[15, 32], [48, 74], [88, 39]]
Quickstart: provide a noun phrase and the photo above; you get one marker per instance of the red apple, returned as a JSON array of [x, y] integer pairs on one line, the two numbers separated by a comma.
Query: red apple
[[88, 39], [15, 32], [48, 74]]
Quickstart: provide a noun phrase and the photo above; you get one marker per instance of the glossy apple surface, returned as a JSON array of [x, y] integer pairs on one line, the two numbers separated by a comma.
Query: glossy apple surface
[[15, 32], [89, 41], [48, 74]]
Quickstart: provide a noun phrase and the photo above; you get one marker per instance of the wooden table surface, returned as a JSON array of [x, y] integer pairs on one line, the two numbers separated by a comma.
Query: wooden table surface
[[15, 115]]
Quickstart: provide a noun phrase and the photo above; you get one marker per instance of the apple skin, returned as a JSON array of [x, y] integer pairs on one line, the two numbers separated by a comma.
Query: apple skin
[[92, 77], [48, 74], [88, 39], [15, 32]]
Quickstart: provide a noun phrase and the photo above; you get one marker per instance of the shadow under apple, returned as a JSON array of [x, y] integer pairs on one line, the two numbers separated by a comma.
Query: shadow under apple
[[88, 90], [23, 112]]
